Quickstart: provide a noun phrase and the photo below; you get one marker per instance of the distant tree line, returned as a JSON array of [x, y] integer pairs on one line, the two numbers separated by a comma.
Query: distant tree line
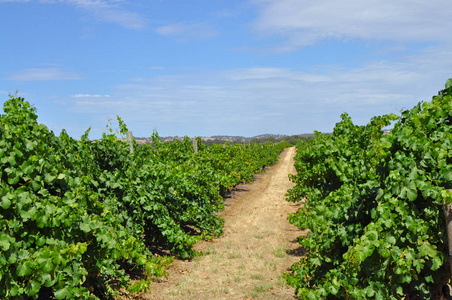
[[288, 138], [240, 140], [261, 140]]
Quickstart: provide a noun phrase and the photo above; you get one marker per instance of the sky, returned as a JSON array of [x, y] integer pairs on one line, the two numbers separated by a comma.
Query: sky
[[221, 67]]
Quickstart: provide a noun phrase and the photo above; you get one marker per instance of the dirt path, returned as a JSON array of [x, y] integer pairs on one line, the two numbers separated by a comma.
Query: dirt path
[[258, 245]]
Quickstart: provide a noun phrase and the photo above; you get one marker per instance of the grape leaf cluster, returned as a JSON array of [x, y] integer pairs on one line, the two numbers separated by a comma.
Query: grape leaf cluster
[[373, 204], [78, 218]]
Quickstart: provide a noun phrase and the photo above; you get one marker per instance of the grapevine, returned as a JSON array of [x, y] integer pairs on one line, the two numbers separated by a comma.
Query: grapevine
[[373, 206], [78, 216]]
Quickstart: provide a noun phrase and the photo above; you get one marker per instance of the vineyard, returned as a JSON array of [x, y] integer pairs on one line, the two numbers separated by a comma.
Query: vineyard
[[86, 219], [373, 204], [80, 219]]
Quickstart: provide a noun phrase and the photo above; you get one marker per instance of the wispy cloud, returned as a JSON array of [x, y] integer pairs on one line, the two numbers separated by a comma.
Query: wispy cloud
[[111, 11], [307, 22], [272, 99], [185, 31], [44, 75], [90, 96]]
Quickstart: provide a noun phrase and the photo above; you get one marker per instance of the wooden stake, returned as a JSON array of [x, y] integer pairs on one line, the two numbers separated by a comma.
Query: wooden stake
[[448, 218], [130, 140], [195, 145]]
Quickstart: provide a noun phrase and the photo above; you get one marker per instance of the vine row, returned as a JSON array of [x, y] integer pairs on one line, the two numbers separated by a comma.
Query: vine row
[[79, 218], [373, 206]]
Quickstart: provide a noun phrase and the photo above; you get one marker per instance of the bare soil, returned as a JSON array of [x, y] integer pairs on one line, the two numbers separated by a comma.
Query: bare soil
[[257, 247]]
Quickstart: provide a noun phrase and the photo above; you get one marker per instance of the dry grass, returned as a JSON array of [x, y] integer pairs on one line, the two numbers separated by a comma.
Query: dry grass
[[257, 248]]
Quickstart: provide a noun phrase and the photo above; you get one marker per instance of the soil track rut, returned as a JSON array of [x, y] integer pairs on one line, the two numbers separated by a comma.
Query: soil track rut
[[258, 245]]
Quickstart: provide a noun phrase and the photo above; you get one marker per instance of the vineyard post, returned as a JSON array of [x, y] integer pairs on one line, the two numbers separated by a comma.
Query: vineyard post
[[195, 145], [448, 218], [130, 140]]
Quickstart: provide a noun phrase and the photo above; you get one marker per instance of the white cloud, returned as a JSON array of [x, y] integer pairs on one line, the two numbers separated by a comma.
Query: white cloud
[[258, 73], [102, 10], [90, 96], [256, 100], [185, 31], [43, 75], [110, 11], [305, 22], [202, 87]]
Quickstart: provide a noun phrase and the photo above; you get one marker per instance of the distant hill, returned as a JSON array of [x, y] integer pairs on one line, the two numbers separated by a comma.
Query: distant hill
[[265, 136], [221, 139]]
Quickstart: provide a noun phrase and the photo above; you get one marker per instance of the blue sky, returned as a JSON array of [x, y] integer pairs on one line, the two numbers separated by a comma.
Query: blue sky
[[225, 67]]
